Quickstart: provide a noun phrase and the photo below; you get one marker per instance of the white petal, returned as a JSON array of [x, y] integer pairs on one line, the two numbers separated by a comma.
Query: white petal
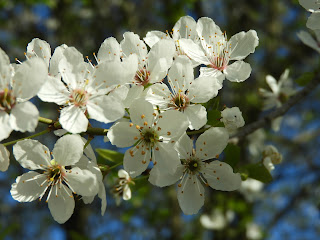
[[82, 181], [5, 128], [123, 134], [68, 150], [173, 124], [159, 71], [102, 195], [184, 146], [54, 91], [24, 117], [133, 44], [309, 5], [190, 195], [314, 21], [126, 193], [31, 154], [136, 160], [162, 178], [272, 82], [62, 206], [73, 119], [207, 28], [180, 74], [203, 89], [211, 143], [159, 95], [220, 176], [197, 116], [153, 37], [4, 158], [55, 59], [194, 51], [119, 93], [308, 40], [5, 70], [109, 50], [185, 27], [29, 78], [276, 124], [27, 187], [105, 109], [166, 159], [238, 71], [211, 72], [134, 93], [140, 112], [39, 48], [242, 44]]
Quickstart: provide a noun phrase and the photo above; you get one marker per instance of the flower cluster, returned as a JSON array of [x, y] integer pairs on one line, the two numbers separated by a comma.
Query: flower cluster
[[151, 89]]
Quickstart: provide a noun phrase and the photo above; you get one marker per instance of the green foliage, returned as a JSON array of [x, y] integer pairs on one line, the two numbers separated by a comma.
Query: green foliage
[[259, 172], [232, 155], [4, 232], [110, 155], [305, 78]]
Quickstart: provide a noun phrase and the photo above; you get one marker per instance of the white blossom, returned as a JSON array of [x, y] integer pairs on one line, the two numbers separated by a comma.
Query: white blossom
[[57, 178], [153, 137], [196, 170], [217, 220], [216, 51], [184, 92], [16, 87], [4, 158], [271, 157], [312, 6], [122, 188], [251, 189], [232, 118], [308, 40]]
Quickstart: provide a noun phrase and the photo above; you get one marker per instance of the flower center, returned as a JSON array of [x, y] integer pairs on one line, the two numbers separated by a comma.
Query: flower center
[[55, 173], [219, 52], [180, 101], [192, 165], [79, 97], [150, 137], [7, 100], [142, 76]]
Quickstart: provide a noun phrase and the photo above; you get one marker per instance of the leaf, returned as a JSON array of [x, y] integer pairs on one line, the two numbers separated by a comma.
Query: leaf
[[305, 78], [259, 172], [213, 117], [232, 155], [110, 155], [213, 104]]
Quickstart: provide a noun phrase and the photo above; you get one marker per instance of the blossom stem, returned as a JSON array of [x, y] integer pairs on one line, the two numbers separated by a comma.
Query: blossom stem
[[116, 165], [32, 136]]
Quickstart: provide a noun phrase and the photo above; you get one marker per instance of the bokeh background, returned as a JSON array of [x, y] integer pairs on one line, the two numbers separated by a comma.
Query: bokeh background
[[287, 208]]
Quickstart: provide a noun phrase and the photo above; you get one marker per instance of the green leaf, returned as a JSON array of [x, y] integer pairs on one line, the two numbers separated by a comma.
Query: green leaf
[[305, 78], [110, 155], [213, 104], [232, 154], [259, 172], [213, 117]]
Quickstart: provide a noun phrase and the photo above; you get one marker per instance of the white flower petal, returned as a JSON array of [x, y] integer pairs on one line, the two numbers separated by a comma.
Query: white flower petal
[[197, 116], [194, 51], [203, 89], [276, 124], [211, 72], [308, 40], [68, 150], [54, 91], [39, 48], [131, 44], [242, 44], [153, 37], [207, 28], [314, 21], [136, 160], [184, 146], [5, 128], [310, 6], [24, 117], [82, 181], [31, 154], [238, 71], [162, 178], [62, 206], [140, 112], [123, 134], [126, 193], [180, 74], [173, 124], [73, 119], [166, 159], [109, 50], [102, 195], [211, 142], [159, 95], [134, 93], [5, 70], [220, 176], [105, 109], [29, 78], [185, 27], [272, 82], [4, 158], [55, 59], [27, 187], [190, 195], [123, 174]]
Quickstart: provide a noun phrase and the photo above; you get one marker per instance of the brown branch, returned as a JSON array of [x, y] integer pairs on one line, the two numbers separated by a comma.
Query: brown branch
[[266, 120]]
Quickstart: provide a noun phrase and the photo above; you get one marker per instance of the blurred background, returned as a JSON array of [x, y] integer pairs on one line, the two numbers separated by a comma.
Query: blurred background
[[286, 208]]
